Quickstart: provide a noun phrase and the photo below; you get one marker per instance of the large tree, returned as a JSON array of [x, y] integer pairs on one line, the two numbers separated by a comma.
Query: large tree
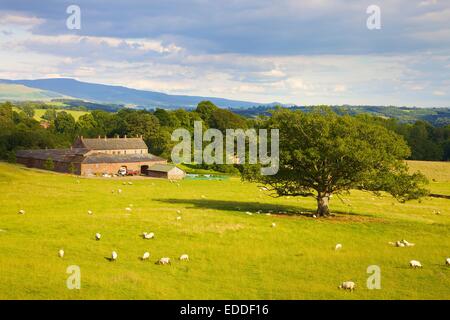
[[323, 154]]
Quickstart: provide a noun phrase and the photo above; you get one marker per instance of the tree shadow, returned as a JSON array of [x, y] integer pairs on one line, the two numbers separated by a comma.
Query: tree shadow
[[256, 207], [253, 207]]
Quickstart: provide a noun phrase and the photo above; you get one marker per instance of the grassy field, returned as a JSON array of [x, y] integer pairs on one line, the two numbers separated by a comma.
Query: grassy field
[[38, 113], [233, 255]]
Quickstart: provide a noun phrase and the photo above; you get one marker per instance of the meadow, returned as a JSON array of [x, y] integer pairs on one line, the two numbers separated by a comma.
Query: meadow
[[233, 255]]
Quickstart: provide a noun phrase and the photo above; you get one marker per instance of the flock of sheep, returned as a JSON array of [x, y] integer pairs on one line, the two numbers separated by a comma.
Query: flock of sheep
[[346, 285], [350, 285]]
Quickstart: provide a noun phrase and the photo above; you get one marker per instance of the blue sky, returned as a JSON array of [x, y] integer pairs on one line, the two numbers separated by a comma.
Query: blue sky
[[303, 52]]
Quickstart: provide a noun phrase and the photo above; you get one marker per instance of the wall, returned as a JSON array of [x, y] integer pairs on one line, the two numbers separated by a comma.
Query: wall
[[112, 168]]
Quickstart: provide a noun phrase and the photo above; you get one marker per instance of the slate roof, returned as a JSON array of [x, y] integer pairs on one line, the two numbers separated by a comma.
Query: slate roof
[[63, 155], [125, 158], [161, 167], [111, 143]]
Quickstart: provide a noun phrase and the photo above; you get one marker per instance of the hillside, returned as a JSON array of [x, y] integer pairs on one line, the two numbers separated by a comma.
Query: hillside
[[122, 95], [233, 255], [19, 92]]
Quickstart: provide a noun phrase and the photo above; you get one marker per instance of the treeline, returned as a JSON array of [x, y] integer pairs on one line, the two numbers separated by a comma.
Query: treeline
[[18, 129]]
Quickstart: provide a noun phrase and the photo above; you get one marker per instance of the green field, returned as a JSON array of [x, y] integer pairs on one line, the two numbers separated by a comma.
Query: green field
[[38, 113], [233, 255]]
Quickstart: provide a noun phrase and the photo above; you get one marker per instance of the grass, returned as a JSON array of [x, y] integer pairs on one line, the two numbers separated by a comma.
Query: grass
[[233, 255], [38, 113]]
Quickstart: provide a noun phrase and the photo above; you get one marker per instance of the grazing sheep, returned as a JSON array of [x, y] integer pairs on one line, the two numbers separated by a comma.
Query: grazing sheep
[[447, 261], [263, 189], [130, 183], [21, 211], [114, 256], [184, 257], [249, 213], [338, 247], [399, 244], [348, 285], [268, 214], [178, 218], [203, 196], [146, 256], [128, 209], [179, 211], [89, 212], [98, 236], [314, 216], [61, 253], [150, 235], [273, 225], [415, 264], [163, 261], [119, 191]]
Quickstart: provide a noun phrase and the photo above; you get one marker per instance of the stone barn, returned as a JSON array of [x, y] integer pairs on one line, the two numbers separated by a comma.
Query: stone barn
[[167, 171], [93, 157]]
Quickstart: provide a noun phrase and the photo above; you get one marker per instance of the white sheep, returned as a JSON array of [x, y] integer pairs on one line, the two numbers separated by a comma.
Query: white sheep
[[128, 209], [447, 261], [119, 191], [273, 225], [61, 253], [164, 261], [249, 213], [146, 256], [178, 218], [150, 235], [21, 211], [338, 246], [98, 236], [114, 256], [179, 211], [348, 285], [184, 257], [89, 212], [415, 264], [130, 183]]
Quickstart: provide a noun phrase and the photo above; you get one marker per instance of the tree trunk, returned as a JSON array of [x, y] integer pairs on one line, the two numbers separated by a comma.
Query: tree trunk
[[322, 205]]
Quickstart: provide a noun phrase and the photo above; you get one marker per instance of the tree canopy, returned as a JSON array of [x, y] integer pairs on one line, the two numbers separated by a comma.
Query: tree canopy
[[323, 154]]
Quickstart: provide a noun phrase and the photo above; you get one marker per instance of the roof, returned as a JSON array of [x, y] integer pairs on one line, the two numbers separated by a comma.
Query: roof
[[162, 167], [125, 158], [63, 155], [111, 143]]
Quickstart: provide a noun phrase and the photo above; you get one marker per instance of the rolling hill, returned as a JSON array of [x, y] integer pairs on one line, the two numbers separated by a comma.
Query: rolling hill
[[108, 94]]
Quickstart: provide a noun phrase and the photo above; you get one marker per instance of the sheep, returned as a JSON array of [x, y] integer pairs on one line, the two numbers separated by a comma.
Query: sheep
[[179, 211], [89, 212], [163, 261], [338, 246], [249, 213], [273, 225], [21, 211], [415, 264], [130, 183], [119, 191], [447, 261], [61, 253], [114, 256], [150, 235], [178, 218], [128, 209], [348, 285], [98, 236], [399, 244], [314, 216], [184, 257], [146, 256]]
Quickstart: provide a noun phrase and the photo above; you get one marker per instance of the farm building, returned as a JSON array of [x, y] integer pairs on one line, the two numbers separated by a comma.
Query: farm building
[[167, 171], [93, 156]]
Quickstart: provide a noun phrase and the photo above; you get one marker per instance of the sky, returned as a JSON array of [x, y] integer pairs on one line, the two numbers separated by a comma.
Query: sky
[[302, 52]]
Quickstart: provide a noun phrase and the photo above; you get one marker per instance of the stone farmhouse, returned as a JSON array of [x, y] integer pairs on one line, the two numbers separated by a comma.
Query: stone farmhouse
[[100, 156]]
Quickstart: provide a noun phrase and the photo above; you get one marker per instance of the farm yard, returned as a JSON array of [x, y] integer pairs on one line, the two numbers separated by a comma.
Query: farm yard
[[235, 252]]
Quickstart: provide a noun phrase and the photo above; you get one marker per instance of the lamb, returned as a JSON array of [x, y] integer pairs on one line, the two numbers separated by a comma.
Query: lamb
[[249, 213], [150, 235], [146, 256], [348, 285], [128, 209], [21, 211], [114, 256], [89, 212], [184, 257], [61, 253], [447, 261], [163, 261], [415, 264], [119, 191], [178, 218], [338, 247], [98, 236], [273, 225]]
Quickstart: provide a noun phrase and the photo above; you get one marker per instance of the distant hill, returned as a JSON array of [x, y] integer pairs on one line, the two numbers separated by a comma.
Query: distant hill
[[19, 92], [100, 93]]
